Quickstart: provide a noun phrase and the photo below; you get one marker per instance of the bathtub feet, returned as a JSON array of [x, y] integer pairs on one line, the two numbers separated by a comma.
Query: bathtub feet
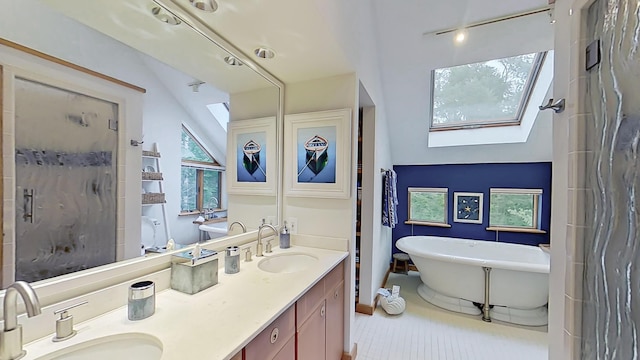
[[486, 316]]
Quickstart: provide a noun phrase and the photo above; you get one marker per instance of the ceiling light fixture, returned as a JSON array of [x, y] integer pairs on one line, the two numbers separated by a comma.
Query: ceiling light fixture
[[490, 21], [164, 16], [264, 53], [233, 61], [205, 5], [195, 86]]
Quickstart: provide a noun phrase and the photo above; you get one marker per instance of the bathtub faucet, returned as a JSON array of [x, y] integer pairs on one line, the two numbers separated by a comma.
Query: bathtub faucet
[[244, 228]]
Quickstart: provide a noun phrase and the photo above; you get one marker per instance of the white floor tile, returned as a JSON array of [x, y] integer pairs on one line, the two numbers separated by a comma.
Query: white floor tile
[[425, 331]]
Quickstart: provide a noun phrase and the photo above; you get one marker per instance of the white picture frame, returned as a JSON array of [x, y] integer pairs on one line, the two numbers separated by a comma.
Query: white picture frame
[[253, 172], [318, 154], [467, 207]]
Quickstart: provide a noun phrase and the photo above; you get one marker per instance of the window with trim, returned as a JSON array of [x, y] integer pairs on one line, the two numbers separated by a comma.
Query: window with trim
[[515, 208], [201, 179], [427, 205], [488, 93]]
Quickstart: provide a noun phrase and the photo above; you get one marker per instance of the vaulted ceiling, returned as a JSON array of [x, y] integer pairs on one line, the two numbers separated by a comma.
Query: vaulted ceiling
[[320, 38]]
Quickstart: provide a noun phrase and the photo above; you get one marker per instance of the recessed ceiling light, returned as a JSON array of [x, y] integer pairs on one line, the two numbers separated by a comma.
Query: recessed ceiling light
[[205, 5], [233, 61], [162, 15], [264, 53]]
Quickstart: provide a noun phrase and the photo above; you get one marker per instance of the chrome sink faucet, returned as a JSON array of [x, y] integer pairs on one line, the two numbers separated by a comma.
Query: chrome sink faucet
[[262, 227], [11, 336], [244, 228]]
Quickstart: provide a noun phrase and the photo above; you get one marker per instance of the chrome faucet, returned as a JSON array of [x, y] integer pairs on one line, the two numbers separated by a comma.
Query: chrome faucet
[[259, 246], [11, 337], [244, 228]]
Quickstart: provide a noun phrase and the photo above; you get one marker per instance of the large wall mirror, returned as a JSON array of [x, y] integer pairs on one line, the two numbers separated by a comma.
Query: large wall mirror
[[80, 169]]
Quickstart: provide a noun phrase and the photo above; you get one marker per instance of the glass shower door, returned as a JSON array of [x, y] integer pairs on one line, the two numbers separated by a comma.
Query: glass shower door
[[65, 156]]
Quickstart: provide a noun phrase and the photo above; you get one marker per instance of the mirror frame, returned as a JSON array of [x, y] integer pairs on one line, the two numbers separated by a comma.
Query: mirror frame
[[60, 288]]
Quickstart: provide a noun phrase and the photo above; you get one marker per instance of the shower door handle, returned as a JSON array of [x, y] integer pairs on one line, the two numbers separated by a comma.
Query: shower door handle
[[28, 205]]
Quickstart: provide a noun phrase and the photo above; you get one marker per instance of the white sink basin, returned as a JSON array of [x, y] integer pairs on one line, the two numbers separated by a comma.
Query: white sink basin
[[122, 346], [287, 263]]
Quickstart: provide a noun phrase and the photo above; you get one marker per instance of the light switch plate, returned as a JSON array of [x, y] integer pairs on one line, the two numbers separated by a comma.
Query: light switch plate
[[292, 223]]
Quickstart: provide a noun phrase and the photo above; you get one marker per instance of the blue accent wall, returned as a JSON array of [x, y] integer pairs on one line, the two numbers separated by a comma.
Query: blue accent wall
[[478, 178]]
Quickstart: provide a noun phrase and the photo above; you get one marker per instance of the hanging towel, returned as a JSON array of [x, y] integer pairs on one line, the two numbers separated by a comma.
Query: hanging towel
[[389, 200]]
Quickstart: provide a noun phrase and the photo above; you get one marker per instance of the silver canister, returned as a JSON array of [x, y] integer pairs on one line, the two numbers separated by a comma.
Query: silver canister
[[232, 260], [142, 300]]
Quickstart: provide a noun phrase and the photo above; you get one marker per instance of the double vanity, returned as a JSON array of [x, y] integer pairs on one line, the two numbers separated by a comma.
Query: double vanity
[[257, 311]]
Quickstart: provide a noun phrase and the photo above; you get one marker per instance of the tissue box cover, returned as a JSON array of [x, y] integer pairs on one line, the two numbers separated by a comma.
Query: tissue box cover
[[191, 278]]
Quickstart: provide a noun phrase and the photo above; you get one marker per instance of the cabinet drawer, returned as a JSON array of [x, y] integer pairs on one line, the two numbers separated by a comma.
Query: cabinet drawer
[[269, 342], [334, 277]]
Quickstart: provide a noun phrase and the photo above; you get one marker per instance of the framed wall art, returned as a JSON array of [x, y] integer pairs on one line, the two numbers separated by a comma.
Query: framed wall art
[[252, 157], [467, 207], [317, 154]]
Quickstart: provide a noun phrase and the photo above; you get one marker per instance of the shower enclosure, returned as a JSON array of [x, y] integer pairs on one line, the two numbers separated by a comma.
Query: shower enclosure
[[611, 308], [65, 180]]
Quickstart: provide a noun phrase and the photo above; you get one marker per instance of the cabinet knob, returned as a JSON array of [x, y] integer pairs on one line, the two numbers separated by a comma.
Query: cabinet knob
[[274, 335], [335, 296], [322, 311]]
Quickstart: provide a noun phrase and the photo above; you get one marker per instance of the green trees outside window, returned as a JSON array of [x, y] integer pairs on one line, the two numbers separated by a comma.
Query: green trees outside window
[[514, 208], [201, 179], [428, 205], [483, 93]]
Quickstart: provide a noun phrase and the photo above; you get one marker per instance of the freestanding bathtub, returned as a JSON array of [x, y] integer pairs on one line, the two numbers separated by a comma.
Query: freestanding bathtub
[[453, 276]]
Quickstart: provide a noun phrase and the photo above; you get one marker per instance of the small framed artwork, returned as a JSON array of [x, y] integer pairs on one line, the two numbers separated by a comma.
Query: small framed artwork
[[252, 157], [467, 207], [317, 154]]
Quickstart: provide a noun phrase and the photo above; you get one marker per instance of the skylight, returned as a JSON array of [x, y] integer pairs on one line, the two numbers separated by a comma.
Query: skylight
[[492, 92], [221, 112]]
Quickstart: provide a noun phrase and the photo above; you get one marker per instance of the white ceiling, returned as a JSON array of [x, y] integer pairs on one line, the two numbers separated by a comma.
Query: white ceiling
[[318, 38]]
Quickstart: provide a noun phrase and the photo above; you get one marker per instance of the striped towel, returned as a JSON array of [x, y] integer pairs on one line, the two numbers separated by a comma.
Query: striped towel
[[389, 200]]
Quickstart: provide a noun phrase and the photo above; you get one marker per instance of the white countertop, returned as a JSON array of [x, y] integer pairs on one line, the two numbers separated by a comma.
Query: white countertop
[[215, 323]]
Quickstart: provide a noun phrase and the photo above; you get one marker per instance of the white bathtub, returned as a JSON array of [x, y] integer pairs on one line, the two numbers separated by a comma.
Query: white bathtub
[[453, 278], [215, 230]]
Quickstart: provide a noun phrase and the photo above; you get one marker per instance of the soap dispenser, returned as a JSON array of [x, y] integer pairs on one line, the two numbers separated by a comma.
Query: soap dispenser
[[285, 237]]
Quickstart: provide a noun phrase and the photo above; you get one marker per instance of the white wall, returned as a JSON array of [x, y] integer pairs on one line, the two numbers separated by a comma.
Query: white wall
[[354, 24], [251, 209]]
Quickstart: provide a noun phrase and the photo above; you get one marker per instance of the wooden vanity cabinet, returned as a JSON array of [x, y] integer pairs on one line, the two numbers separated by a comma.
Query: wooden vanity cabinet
[[320, 319], [316, 320]]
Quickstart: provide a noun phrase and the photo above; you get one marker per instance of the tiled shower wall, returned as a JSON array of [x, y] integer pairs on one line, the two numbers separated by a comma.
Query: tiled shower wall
[[610, 314]]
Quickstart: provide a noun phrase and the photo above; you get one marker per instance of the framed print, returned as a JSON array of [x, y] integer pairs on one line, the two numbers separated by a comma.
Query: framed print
[[467, 207], [317, 154], [252, 157]]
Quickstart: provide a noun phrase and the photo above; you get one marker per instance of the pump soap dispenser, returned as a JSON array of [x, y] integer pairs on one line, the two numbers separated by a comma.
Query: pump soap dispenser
[[285, 237]]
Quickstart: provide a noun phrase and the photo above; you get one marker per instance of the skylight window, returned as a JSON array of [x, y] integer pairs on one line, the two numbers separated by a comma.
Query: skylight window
[[221, 112], [493, 92]]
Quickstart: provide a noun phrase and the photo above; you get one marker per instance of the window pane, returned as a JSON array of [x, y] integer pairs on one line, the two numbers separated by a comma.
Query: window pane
[[211, 189], [515, 210], [191, 150], [189, 189], [427, 206], [481, 93]]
